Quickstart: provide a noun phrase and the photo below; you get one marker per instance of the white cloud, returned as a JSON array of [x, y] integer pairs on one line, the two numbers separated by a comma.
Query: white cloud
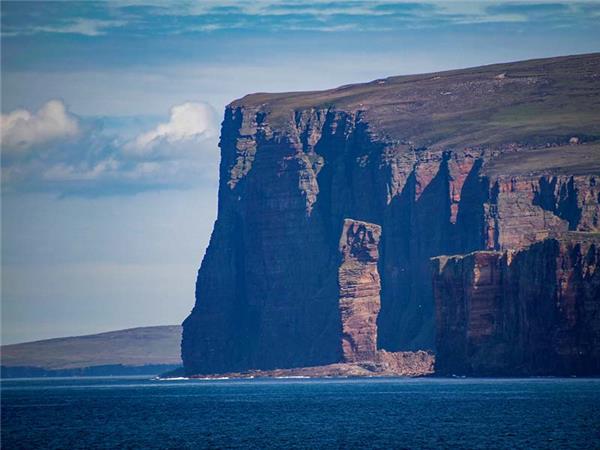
[[22, 129], [66, 172], [181, 152], [85, 27], [188, 121]]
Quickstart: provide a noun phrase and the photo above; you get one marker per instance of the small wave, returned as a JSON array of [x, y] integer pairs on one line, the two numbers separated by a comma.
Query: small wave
[[292, 377], [212, 378], [170, 378]]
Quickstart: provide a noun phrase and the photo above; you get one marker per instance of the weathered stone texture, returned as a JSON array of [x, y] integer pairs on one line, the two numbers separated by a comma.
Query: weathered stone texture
[[359, 289], [535, 311]]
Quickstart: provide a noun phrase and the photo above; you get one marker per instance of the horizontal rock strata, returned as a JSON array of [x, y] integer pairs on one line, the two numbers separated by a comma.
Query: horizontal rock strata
[[445, 163], [359, 284], [535, 311]]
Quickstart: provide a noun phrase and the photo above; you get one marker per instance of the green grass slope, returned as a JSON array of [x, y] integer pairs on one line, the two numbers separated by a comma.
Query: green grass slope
[[527, 102]]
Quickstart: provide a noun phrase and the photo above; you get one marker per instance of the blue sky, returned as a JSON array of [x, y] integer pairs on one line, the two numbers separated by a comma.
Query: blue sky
[[110, 118]]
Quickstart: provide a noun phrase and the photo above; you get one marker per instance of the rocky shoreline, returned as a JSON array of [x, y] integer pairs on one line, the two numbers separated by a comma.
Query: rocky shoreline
[[386, 364]]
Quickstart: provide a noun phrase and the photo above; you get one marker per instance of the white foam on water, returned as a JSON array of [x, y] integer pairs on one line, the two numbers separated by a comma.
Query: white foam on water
[[170, 378], [293, 377], [211, 378]]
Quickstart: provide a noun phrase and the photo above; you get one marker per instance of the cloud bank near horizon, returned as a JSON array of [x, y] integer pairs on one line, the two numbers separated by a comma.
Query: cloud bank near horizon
[[53, 150]]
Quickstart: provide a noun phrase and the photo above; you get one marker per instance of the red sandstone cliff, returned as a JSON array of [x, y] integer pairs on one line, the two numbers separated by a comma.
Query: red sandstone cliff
[[444, 163], [535, 311], [358, 280]]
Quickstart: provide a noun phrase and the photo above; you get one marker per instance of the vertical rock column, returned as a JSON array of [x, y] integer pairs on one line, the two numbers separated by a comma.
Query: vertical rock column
[[359, 289]]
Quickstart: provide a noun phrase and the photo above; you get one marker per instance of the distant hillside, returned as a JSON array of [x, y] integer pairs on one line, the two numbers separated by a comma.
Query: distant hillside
[[132, 351]]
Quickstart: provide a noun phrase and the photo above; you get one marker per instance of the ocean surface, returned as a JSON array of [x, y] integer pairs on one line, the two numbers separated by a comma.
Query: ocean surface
[[300, 413]]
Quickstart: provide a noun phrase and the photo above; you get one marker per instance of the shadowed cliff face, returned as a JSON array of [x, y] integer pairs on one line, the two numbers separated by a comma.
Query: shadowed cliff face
[[530, 312], [395, 156]]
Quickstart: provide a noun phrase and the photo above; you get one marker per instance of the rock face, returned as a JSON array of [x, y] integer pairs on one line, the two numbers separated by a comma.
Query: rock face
[[535, 311], [444, 163], [359, 285]]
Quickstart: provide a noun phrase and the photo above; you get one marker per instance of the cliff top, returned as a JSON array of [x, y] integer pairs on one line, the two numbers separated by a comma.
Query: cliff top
[[527, 102]]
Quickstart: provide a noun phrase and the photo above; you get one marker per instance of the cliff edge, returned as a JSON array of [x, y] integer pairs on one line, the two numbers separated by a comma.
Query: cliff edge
[[534, 311], [332, 203]]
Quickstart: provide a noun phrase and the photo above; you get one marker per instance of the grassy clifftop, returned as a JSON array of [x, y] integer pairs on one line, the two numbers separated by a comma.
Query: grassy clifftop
[[526, 102]]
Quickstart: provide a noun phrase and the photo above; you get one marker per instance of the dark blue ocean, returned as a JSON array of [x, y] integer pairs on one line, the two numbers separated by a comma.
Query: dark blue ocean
[[291, 413]]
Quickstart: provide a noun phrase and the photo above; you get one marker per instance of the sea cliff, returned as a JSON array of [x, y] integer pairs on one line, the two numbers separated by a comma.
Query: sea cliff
[[331, 204]]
